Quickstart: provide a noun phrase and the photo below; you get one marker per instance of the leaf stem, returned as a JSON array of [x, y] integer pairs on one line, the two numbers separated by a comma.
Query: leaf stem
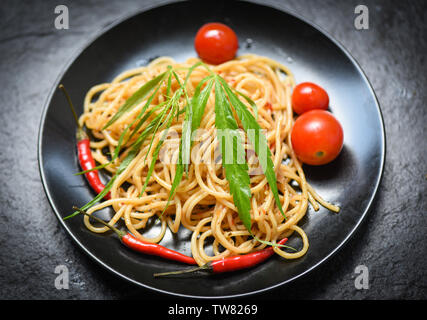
[[190, 270], [119, 232]]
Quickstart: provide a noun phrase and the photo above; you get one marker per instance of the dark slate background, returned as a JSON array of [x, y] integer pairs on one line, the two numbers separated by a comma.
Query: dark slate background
[[391, 242]]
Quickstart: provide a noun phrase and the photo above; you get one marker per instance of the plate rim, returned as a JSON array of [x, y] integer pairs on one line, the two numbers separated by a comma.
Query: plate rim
[[150, 6]]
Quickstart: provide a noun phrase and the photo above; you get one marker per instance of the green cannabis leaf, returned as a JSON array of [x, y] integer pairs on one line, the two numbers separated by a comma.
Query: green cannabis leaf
[[229, 136]]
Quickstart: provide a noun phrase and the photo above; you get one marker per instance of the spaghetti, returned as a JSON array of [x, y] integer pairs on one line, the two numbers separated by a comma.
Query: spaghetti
[[202, 202]]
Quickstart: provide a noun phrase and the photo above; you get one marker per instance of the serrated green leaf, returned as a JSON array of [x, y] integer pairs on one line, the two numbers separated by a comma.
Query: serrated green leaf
[[258, 140], [168, 121], [191, 123], [199, 101], [250, 101], [236, 173], [137, 97], [159, 122]]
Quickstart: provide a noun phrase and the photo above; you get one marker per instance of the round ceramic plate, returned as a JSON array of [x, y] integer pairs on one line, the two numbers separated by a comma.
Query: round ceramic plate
[[350, 181]]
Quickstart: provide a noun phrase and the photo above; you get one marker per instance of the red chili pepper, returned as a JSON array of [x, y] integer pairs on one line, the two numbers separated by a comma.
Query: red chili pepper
[[86, 160], [142, 246], [231, 263], [155, 249]]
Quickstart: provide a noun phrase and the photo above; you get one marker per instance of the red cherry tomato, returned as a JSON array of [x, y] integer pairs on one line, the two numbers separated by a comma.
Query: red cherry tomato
[[317, 137], [216, 43], [309, 96]]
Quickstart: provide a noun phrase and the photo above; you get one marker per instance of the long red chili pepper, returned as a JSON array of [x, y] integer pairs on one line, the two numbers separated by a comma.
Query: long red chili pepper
[[86, 160], [144, 247], [231, 263]]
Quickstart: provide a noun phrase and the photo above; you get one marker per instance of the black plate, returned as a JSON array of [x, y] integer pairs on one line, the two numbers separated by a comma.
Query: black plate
[[350, 181]]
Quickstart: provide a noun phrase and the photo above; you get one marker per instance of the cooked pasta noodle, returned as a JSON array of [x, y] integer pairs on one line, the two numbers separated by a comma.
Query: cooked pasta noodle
[[202, 202]]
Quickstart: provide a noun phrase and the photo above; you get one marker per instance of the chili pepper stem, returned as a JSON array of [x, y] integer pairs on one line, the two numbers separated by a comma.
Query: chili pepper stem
[[80, 134], [70, 103], [206, 266], [119, 233]]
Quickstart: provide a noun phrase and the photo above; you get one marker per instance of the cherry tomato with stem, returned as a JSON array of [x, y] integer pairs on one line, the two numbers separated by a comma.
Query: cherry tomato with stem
[[309, 96], [216, 43], [317, 137]]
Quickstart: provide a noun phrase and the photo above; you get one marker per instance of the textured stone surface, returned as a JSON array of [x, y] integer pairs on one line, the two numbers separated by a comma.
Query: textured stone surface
[[391, 242]]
